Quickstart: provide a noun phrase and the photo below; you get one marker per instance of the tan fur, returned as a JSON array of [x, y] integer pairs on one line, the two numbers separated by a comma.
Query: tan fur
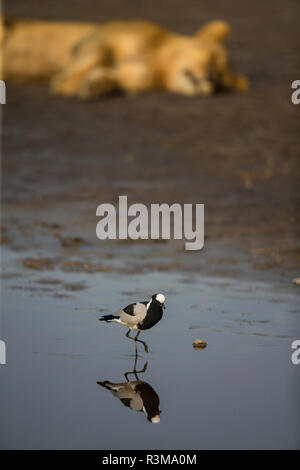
[[89, 59]]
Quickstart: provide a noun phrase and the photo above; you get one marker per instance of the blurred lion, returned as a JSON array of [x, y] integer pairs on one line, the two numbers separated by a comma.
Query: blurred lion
[[88, 60]]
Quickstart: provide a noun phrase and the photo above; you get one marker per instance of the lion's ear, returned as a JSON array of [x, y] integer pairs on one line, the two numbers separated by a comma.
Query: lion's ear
[[214, 31]]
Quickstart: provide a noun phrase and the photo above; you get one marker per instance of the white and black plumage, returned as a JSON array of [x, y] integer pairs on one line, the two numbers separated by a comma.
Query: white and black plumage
[[139, 316], [136, 395]]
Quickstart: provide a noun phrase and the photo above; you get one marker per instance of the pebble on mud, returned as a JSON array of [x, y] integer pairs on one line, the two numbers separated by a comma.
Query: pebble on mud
[[199, 344], [296, 281], [68, 242], [4, 239], [74, 287], [38, 263], [77, 266]]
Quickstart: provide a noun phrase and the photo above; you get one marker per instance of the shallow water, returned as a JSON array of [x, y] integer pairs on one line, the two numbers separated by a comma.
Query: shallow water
[[64, 158], [240, 392]]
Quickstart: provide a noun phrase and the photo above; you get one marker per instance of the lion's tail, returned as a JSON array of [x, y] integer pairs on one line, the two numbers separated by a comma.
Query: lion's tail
[[217, 30]]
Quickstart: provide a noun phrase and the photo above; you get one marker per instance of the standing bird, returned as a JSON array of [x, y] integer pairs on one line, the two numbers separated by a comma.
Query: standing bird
[[136, 394], [139, 316]]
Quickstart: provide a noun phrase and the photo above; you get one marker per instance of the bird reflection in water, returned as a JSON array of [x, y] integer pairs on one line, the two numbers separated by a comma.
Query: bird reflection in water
[[136, 394]]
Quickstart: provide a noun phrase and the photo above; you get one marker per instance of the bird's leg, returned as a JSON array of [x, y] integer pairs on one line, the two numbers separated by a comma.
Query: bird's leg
[[127, 335], [135, 372], [137, 340], [135, 362], [140, 341], [136, 336], [143, 369]]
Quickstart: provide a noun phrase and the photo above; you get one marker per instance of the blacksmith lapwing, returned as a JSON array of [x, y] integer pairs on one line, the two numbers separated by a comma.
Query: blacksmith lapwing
[[139, 316]]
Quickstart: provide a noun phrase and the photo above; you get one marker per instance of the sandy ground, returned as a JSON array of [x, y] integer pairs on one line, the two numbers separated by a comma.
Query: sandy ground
[[238, 154]]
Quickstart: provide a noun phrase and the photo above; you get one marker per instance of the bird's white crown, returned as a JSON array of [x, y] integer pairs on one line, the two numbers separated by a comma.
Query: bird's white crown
[[155, 419], [161, 298]]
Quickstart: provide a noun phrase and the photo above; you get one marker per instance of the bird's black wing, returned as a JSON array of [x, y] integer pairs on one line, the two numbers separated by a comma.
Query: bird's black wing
[[126, 401], [130, 308]]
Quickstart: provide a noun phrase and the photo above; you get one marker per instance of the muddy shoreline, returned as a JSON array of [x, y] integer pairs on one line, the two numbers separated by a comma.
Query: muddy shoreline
[[236, 153]]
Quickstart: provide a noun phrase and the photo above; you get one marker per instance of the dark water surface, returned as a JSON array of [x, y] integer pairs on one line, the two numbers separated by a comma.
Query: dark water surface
[[233, 152], [239, 392]]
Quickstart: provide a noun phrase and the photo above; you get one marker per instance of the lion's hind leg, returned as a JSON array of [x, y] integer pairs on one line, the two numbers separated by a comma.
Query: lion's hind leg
[[68, 81], [129, 76], [230, 80], [98, 81]]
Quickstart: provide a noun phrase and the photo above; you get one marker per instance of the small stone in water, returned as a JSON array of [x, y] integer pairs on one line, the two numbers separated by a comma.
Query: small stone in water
[[199, 344]]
